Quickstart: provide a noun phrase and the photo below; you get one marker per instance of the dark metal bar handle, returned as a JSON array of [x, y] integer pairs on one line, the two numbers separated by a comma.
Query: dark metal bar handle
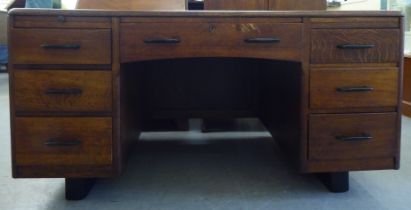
[[363, 137], [69, 91], [355, 89], [262, 40], [355, 46], [162, 41], [57, 143], [61, 46]]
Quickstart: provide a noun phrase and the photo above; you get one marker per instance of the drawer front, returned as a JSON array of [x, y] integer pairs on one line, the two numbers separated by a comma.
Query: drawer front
[[144, 41], [355, 45], [61, 21], [353, 88], [58, 46], [352, 136], [62, 141], [63, 91]]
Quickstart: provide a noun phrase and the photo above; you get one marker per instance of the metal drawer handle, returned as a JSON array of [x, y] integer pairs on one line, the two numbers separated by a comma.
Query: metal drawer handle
[[162, 41], [57, 143], [70, 91], [262, 40], [60, 46], [362, 137], [355, 46], [355, 89]]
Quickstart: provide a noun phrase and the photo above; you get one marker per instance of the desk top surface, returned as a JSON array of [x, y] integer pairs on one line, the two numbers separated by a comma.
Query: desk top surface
[[211, 13]]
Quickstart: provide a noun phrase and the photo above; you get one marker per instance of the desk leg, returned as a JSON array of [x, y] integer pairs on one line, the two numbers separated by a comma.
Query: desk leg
[[78, 188], [336, 182]]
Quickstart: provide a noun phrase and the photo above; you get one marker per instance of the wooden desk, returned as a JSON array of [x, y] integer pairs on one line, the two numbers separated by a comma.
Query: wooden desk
[[84, 83]]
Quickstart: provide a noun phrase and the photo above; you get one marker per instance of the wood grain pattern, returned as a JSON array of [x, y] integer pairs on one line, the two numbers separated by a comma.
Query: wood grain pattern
[[210, 40], [297, 4], [135, 5], [208, 14], [92, 50], [94, 134], [235, 4], [324, 44], [407, 87], [216, 19], [400, 63], [325, 82], [31, 86], [12, 109], [323, 129]]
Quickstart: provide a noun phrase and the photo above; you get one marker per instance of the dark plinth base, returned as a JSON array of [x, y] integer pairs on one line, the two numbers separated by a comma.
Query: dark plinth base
[[180, 124], [218, 125], [78, 188], [336, 182]]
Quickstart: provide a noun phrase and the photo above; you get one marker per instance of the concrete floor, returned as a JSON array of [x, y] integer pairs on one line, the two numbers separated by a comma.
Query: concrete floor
[[214, 171]]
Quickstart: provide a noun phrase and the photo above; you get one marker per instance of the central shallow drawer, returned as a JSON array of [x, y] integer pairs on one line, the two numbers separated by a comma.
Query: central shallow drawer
[[62, 91], [62, 141], [145, 41], [61, 46], [352, 136]]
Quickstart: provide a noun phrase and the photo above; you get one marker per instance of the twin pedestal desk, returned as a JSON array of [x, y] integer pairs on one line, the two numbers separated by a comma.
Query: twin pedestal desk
[[83, 84]]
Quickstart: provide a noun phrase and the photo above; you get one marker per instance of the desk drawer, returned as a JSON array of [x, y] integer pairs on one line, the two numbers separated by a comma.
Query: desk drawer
[[352, 136], [61, 46], [62, 91], [355, 45], [353, 88], [144, 41], [62, 141]]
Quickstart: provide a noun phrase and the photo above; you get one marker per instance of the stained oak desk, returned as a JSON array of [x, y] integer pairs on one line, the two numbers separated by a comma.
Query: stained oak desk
[[83, 84]]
